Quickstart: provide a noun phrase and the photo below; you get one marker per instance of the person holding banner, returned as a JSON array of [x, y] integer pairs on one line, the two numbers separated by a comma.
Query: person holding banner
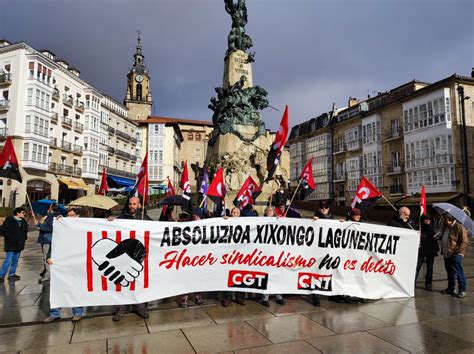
[[228, 295], [134, 212], [45, 238], [323, 211], [77, 312], [403, 219], [269, 212], [427, 252], [15, 230]]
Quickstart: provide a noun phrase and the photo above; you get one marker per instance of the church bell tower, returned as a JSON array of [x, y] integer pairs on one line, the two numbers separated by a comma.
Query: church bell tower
[[138, 99]]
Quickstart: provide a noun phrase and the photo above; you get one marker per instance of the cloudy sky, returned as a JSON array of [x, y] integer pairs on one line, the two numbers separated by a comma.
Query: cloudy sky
[[309, 53]]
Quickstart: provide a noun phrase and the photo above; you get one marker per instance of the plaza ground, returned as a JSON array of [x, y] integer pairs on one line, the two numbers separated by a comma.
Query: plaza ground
[[429, 322]]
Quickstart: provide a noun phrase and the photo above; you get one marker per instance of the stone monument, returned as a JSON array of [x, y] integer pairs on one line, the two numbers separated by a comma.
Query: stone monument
[[239, 142]]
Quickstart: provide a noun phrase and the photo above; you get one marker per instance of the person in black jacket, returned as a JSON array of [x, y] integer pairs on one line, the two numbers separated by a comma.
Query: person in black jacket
[[403, 219], [427, 252], [45, 238], [15, 230]]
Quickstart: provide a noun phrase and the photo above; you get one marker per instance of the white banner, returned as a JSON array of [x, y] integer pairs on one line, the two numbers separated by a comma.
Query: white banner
[[97, 262]]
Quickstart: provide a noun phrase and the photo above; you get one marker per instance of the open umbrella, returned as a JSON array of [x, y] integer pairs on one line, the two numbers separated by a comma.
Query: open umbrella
[[172, 200], [41, 206], [456, 213], [95, 201]]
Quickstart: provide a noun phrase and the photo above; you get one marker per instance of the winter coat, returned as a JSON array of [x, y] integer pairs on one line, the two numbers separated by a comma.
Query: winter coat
[[458, 240], [323, 216], [400, 223], [428, 244], [46, 229], [15, 233], [137, 216]]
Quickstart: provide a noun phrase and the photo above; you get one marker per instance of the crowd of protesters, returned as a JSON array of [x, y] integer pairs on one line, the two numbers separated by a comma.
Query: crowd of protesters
[[451, 236]]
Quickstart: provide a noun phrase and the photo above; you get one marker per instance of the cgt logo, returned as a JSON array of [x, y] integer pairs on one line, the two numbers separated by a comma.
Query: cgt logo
[[312, 281], [246, 279]]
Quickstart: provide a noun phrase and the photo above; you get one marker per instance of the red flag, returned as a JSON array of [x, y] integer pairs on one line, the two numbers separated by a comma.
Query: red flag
[[422, 201], [216, 189], [366, 192], [142, 180], [104, 188], [9, 167], [307, 180], [186, 187], [249, 191], [281, 138]]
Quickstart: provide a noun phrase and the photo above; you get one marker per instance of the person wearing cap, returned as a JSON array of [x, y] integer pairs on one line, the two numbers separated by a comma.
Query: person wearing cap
[[355, 215], [427, 251], [323, 211]]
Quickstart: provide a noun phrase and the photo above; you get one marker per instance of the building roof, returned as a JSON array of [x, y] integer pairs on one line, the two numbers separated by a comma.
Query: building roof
[[156, 119]]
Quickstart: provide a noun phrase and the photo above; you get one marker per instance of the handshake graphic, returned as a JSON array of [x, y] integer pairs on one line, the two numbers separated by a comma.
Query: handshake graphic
[[119, 262]]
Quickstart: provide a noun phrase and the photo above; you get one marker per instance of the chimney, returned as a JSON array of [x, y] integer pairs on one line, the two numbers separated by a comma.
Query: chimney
[[472, 73], [352, 102], [4, 43]]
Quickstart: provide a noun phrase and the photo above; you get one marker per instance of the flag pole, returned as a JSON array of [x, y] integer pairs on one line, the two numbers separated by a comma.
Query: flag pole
[[203, 200], [271, 192], [388, 201], [293, 197], [31, 207], [145, 187]]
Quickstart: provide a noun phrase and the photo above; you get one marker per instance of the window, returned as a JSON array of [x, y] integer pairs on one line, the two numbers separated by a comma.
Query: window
[[190, 136], [139, 92], [197, 153], [26, 151], [29, 98], [198, 137]]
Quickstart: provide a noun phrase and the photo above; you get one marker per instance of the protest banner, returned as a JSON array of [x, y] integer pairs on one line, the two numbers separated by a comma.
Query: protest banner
[[99, 262]]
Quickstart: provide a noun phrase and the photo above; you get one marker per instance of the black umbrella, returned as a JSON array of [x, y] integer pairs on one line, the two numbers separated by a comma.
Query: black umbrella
[[177, 200]]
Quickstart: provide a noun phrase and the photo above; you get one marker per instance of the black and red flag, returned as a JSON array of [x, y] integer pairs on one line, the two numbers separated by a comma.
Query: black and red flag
[[169, 192], [423, 201], [281, 138], [249, 191], [216, 191], [186, 187], [9, 167], [142, 180], [366, 193], [306, 180], [104, 187]]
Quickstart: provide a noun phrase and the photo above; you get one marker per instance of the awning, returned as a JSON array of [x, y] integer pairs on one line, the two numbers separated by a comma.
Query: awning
[[120, 181], [73, 183]]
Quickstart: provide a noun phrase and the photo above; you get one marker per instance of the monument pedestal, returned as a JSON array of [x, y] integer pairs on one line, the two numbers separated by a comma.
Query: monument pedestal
[[239, 159], [237, 65]]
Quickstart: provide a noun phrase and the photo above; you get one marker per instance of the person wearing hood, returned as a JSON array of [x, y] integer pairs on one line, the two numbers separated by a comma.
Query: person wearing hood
[[427, 251]]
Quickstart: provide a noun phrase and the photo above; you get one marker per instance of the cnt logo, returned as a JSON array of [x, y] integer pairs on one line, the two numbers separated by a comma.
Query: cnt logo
[[312, 281], [247, 279]]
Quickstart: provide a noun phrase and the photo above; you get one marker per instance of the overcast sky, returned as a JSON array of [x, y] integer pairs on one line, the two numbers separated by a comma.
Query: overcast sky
[[309, 53]]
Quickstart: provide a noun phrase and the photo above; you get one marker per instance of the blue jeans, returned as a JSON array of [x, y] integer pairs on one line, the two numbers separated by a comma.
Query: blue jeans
[[11, 258], [455, 271], [76, 311]]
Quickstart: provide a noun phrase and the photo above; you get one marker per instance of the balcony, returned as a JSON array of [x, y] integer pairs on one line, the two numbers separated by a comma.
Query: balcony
[[122, 154], [79, 105], [65, 169], [395, 170], [354, 145], [122, 135], [339, 177], [396, 189], [68, 100], [111, 130], [113, 171], [110, 150], [339, 147], [54, 118], [4, 105], [393, 134], [78, 127], [5, 79], [66, 146], [66, 122], [77, 149], [55, 95], [53, 142]]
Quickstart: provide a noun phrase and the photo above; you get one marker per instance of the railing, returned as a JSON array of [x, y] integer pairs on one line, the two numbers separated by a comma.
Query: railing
[[111, 150], [123, 154], [340, 176], [114, 171], [393, 134], [79, 105], [78, 126], [66, 121], [395, 169], [4, 105], [5, 78], [54, 117], [396, 189], [66, 146], [339, 146], [53, 141], [111, 130], [77, 149], [68, 100], [65, 169], [3, 132], [123, 135], [55, 94]]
